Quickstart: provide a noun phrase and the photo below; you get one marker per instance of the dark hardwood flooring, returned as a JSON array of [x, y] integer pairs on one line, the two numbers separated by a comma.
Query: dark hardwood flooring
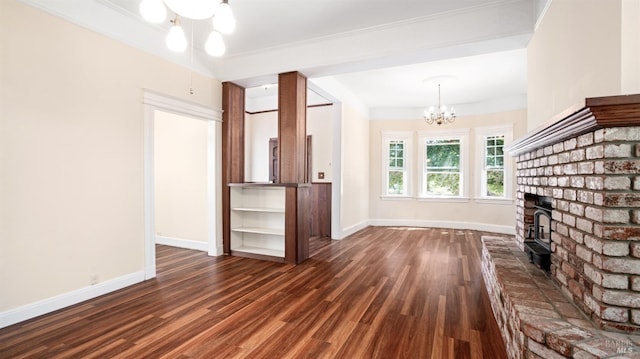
[[381, 293]]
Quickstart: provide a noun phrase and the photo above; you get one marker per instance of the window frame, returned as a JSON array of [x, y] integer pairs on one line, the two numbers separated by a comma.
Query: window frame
[[387, 137], [481, 172], [459, 134]]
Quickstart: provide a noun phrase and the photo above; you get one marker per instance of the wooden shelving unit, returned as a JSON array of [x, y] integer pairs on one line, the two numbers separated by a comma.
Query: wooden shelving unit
[[264, 221], [253, 229]]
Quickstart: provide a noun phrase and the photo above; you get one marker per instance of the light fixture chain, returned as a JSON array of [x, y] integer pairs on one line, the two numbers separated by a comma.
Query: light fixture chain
[[191, 73]]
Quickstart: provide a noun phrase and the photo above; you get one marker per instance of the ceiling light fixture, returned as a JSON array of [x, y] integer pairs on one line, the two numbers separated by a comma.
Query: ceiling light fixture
[[176, 39], [440, 115], [223, 21]]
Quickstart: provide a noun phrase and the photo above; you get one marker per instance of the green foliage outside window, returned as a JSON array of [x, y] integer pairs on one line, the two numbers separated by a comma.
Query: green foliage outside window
[[396, 182], [495, 183], [442, 167], [443, 184]]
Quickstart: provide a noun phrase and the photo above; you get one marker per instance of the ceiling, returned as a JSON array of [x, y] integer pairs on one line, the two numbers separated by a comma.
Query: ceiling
[[387, 54]]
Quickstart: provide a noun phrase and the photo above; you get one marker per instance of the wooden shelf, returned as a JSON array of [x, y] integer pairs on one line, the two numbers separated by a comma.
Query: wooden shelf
[[259, 230], [259, 251], [258, 209]]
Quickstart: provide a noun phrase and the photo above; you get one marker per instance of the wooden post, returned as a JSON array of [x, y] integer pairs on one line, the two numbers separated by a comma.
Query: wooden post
[[232, 151], [292, 127], [292, 147]]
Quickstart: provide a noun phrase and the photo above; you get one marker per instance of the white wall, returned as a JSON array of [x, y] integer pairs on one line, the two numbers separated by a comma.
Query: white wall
[[260, 127], [466, 214], [355, 169], [71, 154], [180, 155], [575, 53], [630, 46], [320, 127]]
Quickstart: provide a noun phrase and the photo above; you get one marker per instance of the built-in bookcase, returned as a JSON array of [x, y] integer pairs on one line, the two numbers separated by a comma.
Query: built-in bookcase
[[258, 220], [269, 221]]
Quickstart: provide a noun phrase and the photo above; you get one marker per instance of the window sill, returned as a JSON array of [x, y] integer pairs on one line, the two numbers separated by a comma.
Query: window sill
[[396, 198], [503, 201], [444, 199]]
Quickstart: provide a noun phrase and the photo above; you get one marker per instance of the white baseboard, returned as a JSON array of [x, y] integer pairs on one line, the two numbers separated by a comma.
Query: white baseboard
[[346, 232], [183, 243], [52, 304], [510, 230]]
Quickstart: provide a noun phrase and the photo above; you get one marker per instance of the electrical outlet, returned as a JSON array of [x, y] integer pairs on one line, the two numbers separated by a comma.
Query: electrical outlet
[[320, 175], [94, 279]]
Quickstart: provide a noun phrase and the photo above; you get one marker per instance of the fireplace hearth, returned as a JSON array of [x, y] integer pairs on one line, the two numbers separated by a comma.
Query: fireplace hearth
[[577, 201], [578, 207]]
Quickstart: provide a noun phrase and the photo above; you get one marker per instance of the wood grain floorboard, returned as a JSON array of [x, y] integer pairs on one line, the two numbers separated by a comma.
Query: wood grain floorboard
[[382, 293]]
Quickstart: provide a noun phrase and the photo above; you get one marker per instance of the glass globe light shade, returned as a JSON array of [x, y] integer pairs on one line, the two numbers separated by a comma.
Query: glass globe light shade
[[193, 9], [176, 39], [224, 21], [153, 10], [215, 44]]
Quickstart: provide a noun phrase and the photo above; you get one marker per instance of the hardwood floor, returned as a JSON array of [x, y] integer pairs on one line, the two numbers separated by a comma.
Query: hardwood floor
[[382, 293]]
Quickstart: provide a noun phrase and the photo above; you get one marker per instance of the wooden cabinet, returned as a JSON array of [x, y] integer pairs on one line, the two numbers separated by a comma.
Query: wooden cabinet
[[268, 221]]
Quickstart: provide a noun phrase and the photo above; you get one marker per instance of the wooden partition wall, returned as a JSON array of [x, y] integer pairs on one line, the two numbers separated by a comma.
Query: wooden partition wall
[[292, 138]]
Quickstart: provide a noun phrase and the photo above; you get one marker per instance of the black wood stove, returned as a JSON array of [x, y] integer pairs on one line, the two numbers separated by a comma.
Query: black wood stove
[[538, 242]]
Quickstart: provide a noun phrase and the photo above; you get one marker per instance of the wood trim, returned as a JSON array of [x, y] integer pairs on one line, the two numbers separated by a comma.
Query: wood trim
[[266, 184], [598, 112], [276, 110], [232, 151]]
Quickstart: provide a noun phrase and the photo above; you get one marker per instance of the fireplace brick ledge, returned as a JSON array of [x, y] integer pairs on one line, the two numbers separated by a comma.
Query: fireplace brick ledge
[[594, 113], [535, 318]]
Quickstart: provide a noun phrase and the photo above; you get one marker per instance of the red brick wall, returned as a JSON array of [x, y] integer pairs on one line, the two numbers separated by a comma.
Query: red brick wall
[[594, 180]]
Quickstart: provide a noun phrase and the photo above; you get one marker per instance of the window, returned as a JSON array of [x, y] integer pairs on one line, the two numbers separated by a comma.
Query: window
[[397, 168], [493, 179], [442, 168], [396, 150], [443, 164], [494, 167]]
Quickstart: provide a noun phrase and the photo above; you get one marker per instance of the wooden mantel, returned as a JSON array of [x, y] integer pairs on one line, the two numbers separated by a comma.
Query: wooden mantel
[[596, 112]]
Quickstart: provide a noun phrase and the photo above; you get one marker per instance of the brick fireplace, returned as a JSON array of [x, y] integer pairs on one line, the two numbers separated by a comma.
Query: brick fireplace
[[585, 165], [588, 163]]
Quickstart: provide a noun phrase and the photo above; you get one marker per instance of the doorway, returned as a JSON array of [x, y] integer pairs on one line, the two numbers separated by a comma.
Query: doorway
[[180, 173], [154, 103]]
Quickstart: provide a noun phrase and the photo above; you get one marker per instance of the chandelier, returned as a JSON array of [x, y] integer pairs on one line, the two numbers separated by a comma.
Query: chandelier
[[223, 21], [440, 114]]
